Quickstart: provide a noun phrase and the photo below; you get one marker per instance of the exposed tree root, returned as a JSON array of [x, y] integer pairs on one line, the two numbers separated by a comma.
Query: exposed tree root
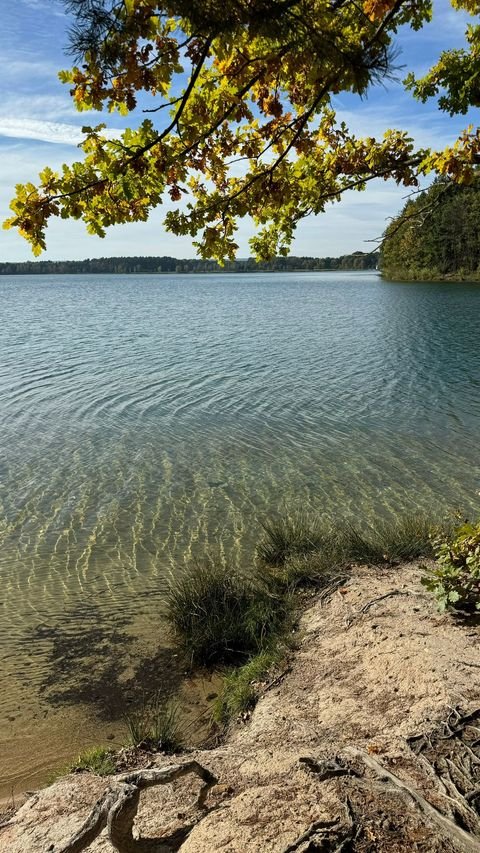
[[327, 768], [445, 825], [334, 836], [452, 753], [388, 813], [117, 809]]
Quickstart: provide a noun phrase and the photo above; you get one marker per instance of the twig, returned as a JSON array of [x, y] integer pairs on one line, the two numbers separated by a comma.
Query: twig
[[331, 587], [278, 679], [370, 604], [326, 769]]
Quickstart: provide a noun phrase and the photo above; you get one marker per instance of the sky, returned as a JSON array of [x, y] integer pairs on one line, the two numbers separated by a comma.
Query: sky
[[39, 126]]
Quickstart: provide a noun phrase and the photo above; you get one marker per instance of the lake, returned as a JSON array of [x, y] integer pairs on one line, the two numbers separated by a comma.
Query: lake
[[147, 420]]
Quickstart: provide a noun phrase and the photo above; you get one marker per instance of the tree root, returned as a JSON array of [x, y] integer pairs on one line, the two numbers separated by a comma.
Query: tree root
[[447, 827], [382, 808], [451, 753], [333, 835], [327, 768], [117, 809], [351, 619]]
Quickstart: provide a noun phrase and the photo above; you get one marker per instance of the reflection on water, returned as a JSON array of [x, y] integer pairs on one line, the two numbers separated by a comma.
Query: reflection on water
[[145, 420]]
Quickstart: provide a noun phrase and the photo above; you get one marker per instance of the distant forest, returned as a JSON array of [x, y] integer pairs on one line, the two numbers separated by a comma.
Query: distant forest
[[436, 235], [355, 261]]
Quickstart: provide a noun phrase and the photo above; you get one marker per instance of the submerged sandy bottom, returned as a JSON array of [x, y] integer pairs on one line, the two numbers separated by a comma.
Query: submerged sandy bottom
[[42, 739]]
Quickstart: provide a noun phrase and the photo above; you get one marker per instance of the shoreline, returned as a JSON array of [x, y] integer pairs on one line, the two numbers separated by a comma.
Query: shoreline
[[350, 690]]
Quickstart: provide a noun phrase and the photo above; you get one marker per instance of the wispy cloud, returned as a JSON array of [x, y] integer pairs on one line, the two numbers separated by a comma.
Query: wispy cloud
[[428, 127], [53, 8], [18, 68], [51, 107], [45, 131]]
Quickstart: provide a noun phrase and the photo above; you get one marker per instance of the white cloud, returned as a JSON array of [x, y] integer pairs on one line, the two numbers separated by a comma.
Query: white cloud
[[16, 68], [45, 131], [428, 127], [34, 106], [45, 5]]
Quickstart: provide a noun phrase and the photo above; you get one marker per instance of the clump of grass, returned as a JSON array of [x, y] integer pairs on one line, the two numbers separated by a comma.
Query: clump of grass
[[315, 570], [359, 544], [303, 548], [292, 535], [97, 760], [239, 692], [219, 614], [407, 537], [155, 726]]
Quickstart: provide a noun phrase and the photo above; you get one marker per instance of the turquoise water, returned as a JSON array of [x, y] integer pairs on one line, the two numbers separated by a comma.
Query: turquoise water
[[144, 420]]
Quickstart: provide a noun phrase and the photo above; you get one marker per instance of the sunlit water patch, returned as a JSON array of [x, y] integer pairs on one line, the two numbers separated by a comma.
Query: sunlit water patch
[[145, 421]]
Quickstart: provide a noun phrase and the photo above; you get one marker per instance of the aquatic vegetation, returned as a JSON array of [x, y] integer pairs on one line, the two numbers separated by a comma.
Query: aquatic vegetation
[[291, 535], [318, 569], [219, 614], [455, 577], [156, 726], [410, 535], [308, 547]]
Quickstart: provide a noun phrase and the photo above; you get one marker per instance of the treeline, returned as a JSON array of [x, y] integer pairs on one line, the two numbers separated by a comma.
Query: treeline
[[355, 261], [436, 235]]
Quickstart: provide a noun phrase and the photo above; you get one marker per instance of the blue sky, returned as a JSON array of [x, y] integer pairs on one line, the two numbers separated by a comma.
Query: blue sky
[[39, 126]]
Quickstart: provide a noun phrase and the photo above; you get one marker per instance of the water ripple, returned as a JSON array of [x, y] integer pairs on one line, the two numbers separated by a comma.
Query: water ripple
[[146, 420]]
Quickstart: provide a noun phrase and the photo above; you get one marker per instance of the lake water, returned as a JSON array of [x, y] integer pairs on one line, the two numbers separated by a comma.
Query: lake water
[[145, 420]]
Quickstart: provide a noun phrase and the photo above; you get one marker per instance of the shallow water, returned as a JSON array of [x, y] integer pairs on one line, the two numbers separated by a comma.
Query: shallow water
[[144, 420]]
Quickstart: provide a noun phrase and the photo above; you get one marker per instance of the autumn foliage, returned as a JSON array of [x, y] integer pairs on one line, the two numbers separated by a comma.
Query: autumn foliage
[[241, 122]]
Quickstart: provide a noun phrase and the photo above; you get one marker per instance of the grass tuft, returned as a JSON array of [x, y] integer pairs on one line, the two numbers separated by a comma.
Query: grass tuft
[[219, 615], [407, 537], [318, 569], [155, 726], [305, 548], [97, 760], [292, 535], [239, 692]]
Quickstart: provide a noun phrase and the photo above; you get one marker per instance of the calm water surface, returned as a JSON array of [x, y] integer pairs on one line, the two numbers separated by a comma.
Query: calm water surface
[[144, 420]]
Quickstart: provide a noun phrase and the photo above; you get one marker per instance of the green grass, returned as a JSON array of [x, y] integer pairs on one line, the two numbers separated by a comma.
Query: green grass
[[239, 692], [318, 569], [293, 535], [220, 615], [97, 760], [407, 537], [303, 548], [155, 726]]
